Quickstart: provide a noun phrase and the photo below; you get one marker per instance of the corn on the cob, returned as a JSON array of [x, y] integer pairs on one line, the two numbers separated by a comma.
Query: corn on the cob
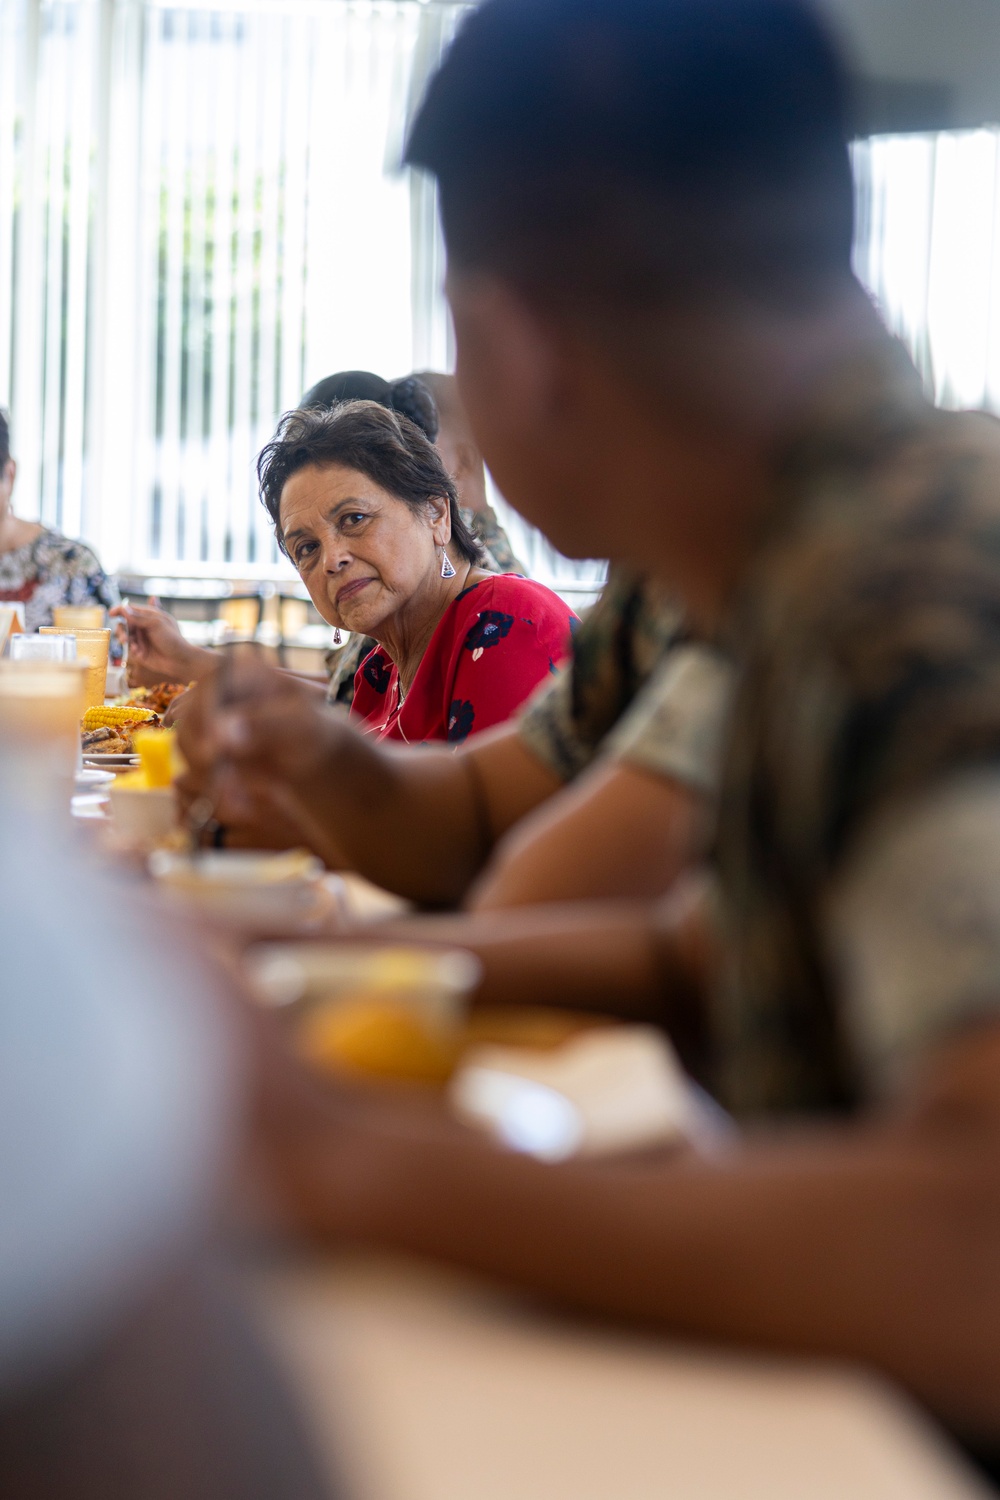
[[96, 718]]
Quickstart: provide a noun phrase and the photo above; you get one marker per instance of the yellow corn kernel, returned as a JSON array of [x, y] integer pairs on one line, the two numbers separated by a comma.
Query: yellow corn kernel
[[96, 718]]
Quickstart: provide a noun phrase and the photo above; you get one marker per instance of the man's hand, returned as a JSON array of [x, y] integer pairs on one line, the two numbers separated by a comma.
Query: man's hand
[[157, 651], [177, 709], [875, 1241], [259, 745], [247, 719], [262, 817]]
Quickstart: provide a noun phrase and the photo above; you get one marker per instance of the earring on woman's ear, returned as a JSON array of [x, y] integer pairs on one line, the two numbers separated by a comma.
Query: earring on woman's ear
[[338, 639], [447, 570]]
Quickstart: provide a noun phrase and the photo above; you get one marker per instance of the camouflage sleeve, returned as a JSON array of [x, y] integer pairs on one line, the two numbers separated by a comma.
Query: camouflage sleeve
[[616, 650], [676, 726], [913, 918], [342, 665], [498, 555], [549, 730]]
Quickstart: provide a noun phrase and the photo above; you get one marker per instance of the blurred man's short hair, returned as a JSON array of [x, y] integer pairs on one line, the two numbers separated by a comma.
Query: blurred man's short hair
[[619, 152]]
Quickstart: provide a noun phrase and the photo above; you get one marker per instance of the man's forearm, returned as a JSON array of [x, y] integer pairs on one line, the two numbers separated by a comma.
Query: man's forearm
[[406, 819], [422, 821], [865, 1245], [598, 956]]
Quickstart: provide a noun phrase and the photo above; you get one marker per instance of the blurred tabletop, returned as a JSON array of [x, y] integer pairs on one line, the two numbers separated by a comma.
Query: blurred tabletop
[[426, 1385]]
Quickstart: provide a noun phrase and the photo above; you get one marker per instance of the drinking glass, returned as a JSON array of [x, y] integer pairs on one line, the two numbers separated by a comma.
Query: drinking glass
[[91, 646], [7, 617], [78, 616], [41, 704], [43, 648]]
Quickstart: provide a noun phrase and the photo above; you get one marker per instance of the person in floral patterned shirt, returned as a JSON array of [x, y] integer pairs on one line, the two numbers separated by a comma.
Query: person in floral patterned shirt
[[39, 567]]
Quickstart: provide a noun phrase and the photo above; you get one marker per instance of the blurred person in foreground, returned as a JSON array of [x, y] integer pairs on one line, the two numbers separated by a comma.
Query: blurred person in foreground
[[665, 185], [128, 1367], [39, 567]]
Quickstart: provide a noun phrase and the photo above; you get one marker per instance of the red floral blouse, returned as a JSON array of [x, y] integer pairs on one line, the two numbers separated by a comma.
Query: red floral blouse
[[492, 647]]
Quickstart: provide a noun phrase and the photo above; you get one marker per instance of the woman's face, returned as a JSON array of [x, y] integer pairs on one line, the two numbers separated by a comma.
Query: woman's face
[[363, 555]]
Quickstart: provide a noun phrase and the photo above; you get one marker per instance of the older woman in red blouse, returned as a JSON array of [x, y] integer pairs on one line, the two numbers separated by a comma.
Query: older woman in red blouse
[[365, 510]]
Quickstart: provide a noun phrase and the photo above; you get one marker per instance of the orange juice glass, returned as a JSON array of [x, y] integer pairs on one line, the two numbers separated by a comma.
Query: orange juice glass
[[92, 647]]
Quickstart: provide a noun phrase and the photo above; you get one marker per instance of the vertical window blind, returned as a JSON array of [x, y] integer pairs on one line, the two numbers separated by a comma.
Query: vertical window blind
[[201, 213], [928, 248]]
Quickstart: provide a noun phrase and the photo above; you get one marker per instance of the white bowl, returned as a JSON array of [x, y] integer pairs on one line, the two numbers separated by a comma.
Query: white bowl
[[143, 816], [435, 983], [245, 888]]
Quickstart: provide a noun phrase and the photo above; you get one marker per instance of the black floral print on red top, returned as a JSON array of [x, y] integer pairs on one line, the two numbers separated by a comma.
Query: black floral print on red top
[[489, 630]]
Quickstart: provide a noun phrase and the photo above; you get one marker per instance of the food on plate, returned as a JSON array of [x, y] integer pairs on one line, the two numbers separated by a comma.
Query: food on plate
[[108, 731], [106, 741], [385, 1036], [379, 1036], [98, 718], [158, 698]]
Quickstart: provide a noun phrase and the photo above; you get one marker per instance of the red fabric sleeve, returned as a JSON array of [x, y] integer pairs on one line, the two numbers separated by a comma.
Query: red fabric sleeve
[[512, 635]]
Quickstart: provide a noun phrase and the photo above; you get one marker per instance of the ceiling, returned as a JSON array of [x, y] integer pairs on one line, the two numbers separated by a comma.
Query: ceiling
[[923, 64]]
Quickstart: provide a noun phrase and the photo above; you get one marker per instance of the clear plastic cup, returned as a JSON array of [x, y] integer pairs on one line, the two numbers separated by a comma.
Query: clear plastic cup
[[92, 646], [41, 704], [43, 648]]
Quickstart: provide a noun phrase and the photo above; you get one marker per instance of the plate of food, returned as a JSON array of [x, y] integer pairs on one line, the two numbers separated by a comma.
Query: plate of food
[[107, 734], [158, 699], [108, 761]]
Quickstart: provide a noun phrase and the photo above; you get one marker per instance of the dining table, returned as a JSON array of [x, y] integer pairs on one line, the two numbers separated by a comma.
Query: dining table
[[421, 1383]]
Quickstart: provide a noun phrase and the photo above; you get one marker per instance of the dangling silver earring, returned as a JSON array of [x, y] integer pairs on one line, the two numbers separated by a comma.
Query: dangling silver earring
[[447, 571], [338, 639]]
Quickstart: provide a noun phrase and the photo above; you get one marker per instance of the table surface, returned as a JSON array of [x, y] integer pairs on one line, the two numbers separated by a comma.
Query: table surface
[[430, 1386]]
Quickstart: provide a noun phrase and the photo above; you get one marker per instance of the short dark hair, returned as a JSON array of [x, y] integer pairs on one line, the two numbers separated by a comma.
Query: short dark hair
[[408, 395], [4, 439], [386, 447], [613, 151]]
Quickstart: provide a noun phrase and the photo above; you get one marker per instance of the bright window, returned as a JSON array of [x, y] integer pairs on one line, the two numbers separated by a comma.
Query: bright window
[[200, 215], [928, 248]]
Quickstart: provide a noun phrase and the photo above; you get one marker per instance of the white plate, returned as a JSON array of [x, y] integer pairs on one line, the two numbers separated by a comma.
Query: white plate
[[93, 777], [100, 761], [90, 805]]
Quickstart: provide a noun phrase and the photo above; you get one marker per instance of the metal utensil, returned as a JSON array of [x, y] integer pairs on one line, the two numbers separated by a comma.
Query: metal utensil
[[201, 818]]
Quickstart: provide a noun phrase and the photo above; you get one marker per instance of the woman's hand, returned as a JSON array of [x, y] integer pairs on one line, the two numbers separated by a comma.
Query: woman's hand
[[157, 651]]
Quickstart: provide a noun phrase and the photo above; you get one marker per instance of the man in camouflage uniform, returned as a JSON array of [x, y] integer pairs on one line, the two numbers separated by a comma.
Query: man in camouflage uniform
[[868, 643], [648, 212], [639, 690]]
